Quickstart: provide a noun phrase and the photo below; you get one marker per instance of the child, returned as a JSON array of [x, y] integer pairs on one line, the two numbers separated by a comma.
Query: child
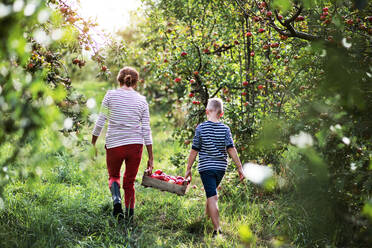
[[213, 141]]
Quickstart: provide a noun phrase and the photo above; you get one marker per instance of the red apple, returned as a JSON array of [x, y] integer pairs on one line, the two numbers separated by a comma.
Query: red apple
[[244, 93], [165, 61], [245, 83], [325, 13], [192, 81], [325, 9], [71, 19], [256, 19], [252, 54], [350, 21], [248, 34], [177, 80], [322, 17], [283, 37], [274, 45], [300, 18], [269, 13], [263, 5], [191, 95], [104, 68], [278, 56], [196, 73], [265, 47], [206, 50], [261, 30], [30, 66], [246, 104], [280, 17], [183, 54], [194, 102], [63, 9], [260, 87]]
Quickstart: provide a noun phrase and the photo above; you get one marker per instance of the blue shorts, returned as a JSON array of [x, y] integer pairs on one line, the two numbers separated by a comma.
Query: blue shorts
[[211, 179]]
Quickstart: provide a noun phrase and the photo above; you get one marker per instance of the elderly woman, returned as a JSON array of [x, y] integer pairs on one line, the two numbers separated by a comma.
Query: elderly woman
[[128, 118]]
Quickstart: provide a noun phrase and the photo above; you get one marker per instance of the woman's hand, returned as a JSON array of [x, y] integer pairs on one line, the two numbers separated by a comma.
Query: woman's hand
[[150, 166], [94, 140], [150, 162], [188, 174]]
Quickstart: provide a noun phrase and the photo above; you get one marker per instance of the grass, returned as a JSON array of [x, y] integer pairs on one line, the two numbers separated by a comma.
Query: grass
[[69, 203]]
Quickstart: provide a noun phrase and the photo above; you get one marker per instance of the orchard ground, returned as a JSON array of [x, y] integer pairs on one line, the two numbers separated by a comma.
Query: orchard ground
[[69, 204]]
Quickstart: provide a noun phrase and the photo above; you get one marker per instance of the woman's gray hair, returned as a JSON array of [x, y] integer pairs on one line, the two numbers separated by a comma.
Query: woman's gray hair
[[215, 105]]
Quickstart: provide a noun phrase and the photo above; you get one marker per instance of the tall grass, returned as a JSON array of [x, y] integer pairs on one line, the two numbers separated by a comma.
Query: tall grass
[[68, 203]]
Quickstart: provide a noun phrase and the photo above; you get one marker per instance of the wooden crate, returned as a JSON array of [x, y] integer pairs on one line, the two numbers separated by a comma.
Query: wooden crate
[[148, 181]]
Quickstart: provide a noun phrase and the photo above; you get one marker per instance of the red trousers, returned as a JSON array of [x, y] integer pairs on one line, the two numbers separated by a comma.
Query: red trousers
[[131, 154]]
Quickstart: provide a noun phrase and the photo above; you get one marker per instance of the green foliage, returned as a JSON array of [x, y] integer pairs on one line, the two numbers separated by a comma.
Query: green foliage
[[309, 73], [297, 97]]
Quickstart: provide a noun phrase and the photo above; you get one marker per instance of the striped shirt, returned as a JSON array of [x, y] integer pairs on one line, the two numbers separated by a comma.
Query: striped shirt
[[211, 140], [128, 118]]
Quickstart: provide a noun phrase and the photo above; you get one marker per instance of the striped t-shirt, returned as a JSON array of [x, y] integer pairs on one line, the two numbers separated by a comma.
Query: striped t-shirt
[[211, 140], [128, 118]]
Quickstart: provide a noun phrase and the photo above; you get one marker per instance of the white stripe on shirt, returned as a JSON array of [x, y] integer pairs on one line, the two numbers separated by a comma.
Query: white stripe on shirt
[[128, 118]]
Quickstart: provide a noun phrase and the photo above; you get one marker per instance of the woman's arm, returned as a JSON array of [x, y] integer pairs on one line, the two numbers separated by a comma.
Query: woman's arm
[[146, 132], [150, 162], [101, 121], [190, 162], [146, 129]]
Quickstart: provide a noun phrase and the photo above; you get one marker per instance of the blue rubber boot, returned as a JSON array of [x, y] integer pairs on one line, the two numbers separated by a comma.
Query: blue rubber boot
[[118, 210]]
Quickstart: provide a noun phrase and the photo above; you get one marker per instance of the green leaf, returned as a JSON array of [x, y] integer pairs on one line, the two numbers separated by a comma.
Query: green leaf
[[282, 5]]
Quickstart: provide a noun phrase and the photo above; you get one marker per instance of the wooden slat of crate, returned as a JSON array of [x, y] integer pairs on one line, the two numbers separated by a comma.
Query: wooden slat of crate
[[148, 181]]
